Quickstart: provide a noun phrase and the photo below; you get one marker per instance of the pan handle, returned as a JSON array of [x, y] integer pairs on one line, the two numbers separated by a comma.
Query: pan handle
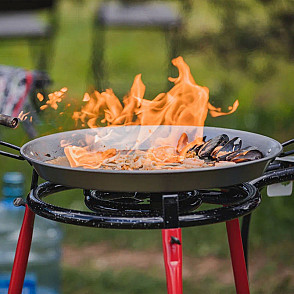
[[288, 143], [277, 171], [7, 154], [286, 153], [8, 121], [278, 165]]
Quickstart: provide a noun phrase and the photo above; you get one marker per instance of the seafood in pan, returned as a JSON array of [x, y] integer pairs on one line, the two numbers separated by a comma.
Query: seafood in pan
[[217, 151]]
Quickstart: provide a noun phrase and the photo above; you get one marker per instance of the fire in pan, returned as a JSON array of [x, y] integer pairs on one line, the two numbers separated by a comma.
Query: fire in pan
[[46, 154], [149, 145]]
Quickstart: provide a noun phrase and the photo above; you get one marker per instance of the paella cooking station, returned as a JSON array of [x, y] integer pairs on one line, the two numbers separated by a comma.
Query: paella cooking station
[[168, 200]]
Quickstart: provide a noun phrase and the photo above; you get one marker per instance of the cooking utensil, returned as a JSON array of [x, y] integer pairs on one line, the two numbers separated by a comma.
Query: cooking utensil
[[37, 152]]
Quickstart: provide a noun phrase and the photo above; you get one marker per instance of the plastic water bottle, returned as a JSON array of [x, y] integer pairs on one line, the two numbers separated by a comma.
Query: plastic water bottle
[[43, 272]]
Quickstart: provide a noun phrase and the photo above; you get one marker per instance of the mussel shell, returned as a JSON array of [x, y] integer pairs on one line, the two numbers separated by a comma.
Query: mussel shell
[[207, 148], [235, 153], [231, 146], [182, 142], [196, 148], [215, 151], [247, 155]]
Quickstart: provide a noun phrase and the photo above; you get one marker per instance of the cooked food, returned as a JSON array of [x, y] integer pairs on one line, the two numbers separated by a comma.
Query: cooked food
[[218, 151]]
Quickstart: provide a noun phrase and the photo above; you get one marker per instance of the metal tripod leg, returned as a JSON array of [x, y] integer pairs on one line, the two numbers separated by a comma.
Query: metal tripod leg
[[245, 236], [172, 245], [172, 249], [22, 253], [237, 257], [23, 247]]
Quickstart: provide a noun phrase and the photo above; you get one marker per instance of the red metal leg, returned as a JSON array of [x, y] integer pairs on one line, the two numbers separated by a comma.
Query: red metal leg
[[237, 257], [172, 250], [22, 253]]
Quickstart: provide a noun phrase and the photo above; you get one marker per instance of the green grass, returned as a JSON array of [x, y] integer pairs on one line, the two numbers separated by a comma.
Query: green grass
[[122, 282], [265, 91]]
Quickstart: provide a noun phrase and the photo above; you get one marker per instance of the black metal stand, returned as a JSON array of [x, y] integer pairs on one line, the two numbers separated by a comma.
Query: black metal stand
[[169, 212], [153, 211], [238, 200], [272, 176], [132, 211]]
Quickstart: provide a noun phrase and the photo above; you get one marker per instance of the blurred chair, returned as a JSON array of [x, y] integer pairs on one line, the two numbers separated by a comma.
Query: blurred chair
[[19, 20], [17, 93], [135, 15]]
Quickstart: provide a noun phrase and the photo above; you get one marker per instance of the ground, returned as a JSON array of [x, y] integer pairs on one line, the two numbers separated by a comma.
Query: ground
[[196, 270]]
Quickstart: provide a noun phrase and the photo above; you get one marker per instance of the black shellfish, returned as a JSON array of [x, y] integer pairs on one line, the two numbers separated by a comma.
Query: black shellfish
[[208, 147], [251, 153], [230, 147]]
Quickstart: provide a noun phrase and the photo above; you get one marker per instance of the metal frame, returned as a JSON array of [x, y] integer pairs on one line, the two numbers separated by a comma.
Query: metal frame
[[272, 177], [246, 199], [170, 221], [245, 204]]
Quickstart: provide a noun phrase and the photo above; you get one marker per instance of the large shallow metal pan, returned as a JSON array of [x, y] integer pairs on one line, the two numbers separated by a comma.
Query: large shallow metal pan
[[40, 150]]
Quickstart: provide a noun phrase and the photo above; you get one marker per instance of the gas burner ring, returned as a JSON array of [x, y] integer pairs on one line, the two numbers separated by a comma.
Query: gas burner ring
[[138, 204], [109, 219]]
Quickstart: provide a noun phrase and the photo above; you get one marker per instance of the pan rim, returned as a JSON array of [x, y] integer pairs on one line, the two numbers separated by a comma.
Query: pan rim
[[154, 172]]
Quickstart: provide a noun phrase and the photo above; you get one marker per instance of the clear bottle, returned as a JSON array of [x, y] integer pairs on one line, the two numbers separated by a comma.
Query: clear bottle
[[43, 272]]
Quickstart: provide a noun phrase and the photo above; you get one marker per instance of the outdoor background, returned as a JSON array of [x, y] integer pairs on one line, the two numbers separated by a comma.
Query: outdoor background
[[239, 50]]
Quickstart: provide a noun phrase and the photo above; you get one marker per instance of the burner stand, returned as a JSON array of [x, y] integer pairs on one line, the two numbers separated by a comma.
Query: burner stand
[[167, 211], [121, 211]]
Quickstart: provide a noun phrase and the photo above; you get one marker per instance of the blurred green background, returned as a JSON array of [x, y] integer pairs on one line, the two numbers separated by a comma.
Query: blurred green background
[[239, 50]]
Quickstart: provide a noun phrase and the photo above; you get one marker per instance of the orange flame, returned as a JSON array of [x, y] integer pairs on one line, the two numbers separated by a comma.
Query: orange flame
[[53, 98], [24, 116], [186, 104], [40, 97]]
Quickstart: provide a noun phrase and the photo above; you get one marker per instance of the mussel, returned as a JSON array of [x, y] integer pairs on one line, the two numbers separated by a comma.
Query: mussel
[[230, 156], [221, 153], [183, 141], [196, 147], [252, 153], [221, 148], [207, 148]]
